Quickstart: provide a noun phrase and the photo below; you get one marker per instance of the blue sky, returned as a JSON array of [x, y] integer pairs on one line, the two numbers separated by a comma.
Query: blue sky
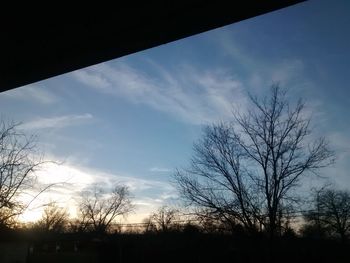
[[134, 119]]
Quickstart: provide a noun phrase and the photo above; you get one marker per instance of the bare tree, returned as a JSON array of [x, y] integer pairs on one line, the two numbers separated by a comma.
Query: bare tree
[[54, 219], [164, 219], [149, 226], [76, 225], [18, 163], [99, 209], [330, 212], [243, 171]]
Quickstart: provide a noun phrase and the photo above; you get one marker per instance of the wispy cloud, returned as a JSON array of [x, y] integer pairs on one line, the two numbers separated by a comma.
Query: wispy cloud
[[33, 93], [160, 169], [95, 80], [192, 94], [56, 122], [261, 71], [187, 93]]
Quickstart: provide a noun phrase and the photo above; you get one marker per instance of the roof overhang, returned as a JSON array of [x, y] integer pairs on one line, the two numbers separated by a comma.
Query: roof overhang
[[39, 44]]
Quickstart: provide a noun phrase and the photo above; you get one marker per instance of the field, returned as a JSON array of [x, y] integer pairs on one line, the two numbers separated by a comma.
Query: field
[[175, 247]]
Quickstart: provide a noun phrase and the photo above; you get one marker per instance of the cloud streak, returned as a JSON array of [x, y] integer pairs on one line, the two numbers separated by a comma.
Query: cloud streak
[[194, 96], [190, 94], [160, 169], [261, 71], [56, 122], [32, 93]]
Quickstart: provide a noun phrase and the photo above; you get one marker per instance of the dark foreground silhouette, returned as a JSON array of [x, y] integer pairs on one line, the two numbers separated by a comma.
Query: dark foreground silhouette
[[16, 246]]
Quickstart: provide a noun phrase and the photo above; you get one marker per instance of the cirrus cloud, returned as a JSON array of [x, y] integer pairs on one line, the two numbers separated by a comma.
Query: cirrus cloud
[[56, 122], [189, 94]]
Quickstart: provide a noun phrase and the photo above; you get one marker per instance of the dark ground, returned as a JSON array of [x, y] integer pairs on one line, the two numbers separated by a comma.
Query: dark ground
[[174, 247]]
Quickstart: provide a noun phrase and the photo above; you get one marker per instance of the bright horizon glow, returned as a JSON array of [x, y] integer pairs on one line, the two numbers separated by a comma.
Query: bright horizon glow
[[68, 181]]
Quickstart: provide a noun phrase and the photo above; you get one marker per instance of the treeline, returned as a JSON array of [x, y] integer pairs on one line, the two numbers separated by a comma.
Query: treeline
[[328, 217], [176, 244]]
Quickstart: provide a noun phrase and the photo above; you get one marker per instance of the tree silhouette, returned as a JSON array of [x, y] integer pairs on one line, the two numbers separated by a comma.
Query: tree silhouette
[[54, 219], [243, 171], [149, 225], [330, 212], [98, 208], [18, 163], [164, 219]]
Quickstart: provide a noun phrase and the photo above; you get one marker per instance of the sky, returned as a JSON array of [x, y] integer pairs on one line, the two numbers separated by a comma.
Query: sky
[[133, 120]]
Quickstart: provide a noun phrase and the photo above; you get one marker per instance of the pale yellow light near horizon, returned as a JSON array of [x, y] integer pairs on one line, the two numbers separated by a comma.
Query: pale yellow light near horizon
[[64, 180], [66, 184]]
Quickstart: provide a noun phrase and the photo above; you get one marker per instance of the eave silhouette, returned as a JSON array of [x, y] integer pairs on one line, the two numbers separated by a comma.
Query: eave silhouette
[[39, 43]]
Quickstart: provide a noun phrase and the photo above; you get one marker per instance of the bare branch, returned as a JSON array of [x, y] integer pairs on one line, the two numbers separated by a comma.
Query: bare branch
[[246, 170], [98, 209]]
